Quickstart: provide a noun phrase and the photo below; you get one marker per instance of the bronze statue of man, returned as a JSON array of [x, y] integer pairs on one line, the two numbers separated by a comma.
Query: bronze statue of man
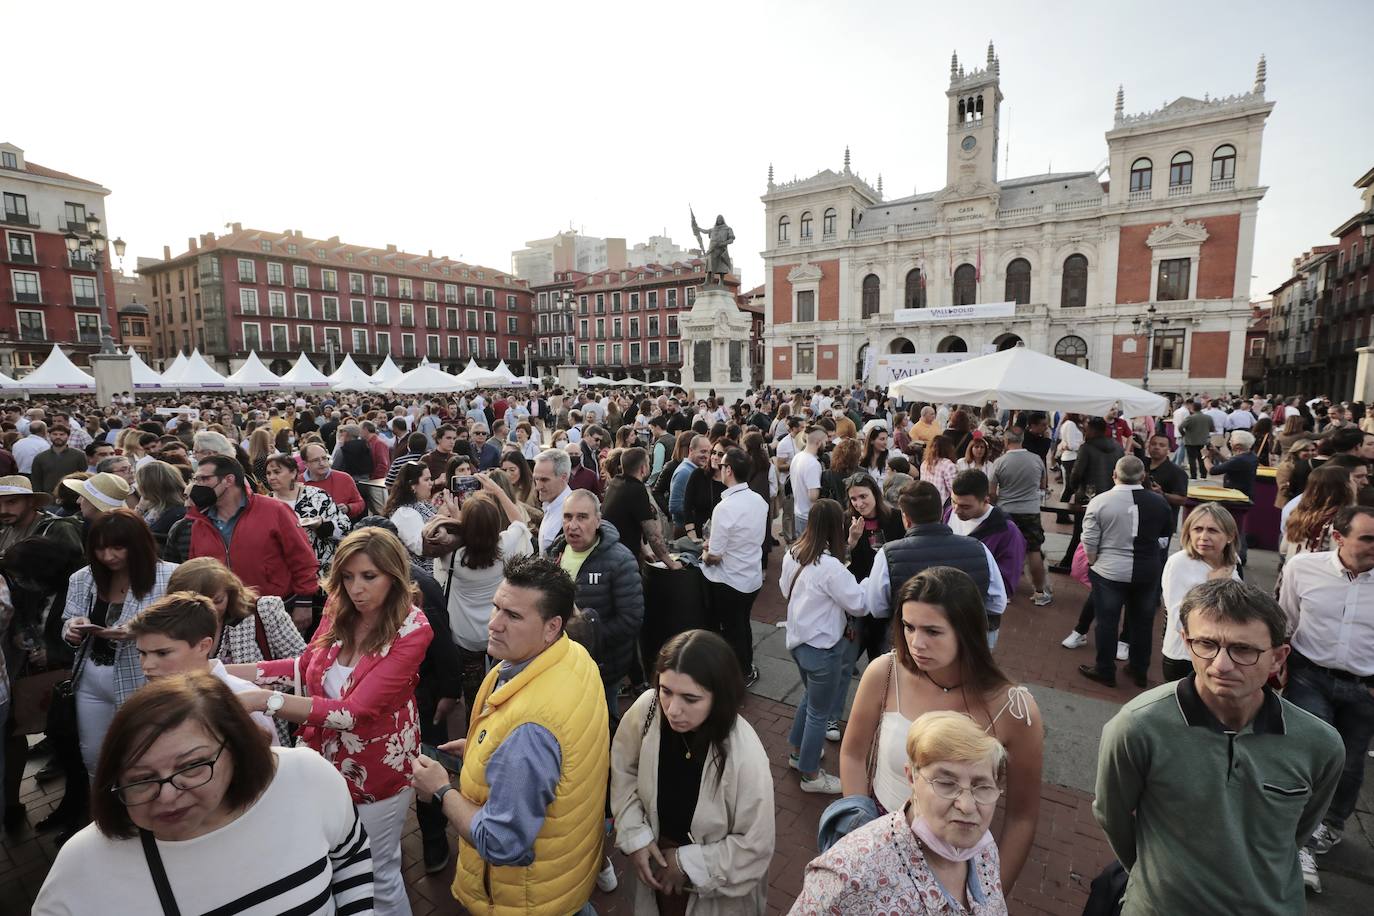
[[717, 253]]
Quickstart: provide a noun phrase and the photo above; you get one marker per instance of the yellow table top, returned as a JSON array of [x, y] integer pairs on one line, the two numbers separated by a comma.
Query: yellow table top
[[1204, 491], [1263, 471]]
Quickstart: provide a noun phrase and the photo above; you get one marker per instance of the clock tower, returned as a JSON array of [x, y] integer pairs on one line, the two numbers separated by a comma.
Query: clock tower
[[975, 101]]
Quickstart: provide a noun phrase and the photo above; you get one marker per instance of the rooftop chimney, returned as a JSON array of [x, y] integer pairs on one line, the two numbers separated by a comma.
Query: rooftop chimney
[[191, 244], [237, 227], [166, 252], [391, 249]]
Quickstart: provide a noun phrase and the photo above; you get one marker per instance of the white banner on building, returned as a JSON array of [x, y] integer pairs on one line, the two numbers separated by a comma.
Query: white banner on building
[[890, 367], [955, 312]]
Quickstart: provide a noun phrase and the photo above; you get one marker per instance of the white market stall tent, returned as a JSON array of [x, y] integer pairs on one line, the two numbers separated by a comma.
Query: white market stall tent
[[254, 376], [145, 378], [387, 374], [664, 384], [57, 373], [504, 371], [348, 377], [196, 375], [1020, 378], [428, 379], [304, 375], [174, 371], [478, 377], [6, 382]]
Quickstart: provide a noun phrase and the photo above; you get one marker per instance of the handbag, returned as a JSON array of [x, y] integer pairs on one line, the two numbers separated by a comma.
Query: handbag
[[61, 721], [33, 696], [159, 873]]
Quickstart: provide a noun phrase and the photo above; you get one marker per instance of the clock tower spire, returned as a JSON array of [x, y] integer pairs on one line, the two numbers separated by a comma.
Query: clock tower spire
[[975, 101]]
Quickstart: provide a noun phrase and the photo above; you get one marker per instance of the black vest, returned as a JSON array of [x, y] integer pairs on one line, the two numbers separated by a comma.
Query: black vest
[[934, 544]]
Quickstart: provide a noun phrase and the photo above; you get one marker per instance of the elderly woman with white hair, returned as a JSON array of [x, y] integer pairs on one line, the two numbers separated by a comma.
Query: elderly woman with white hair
[[1238, 472], [936, 855]]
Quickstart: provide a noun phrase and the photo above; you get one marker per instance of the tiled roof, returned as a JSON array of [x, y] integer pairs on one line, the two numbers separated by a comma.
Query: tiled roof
[[43, 171], [609, 279]]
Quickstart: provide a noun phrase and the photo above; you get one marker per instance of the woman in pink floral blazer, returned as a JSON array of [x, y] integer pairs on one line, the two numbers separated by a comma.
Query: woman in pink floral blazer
[[357, 704], [935, 857]]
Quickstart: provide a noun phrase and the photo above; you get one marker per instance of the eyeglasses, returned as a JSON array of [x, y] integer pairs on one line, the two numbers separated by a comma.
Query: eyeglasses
[[984, 793], [188, 777], [1241, 654]]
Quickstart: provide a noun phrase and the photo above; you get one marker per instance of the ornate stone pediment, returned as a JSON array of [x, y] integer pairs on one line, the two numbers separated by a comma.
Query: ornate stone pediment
[[1177, 233], [804, 273]]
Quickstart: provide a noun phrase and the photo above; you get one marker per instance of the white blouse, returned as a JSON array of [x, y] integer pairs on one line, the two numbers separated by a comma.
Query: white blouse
[[818, 598]]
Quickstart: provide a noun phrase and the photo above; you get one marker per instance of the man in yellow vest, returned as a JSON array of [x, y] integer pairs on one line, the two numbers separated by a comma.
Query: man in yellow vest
[[531, 798]]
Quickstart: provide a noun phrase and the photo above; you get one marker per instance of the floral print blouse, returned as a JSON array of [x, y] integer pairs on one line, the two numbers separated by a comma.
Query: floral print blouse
[[312, 502], [372, 730]]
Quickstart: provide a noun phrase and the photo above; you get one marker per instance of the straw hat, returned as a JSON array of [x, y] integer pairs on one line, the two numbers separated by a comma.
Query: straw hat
[[19, 485], [104, 491]]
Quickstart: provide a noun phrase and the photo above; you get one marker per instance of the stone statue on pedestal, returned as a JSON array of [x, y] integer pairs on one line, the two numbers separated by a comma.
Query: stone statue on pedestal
[[717, 254]]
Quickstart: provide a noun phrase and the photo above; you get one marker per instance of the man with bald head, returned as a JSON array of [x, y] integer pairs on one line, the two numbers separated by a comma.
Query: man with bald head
[[608, 585]]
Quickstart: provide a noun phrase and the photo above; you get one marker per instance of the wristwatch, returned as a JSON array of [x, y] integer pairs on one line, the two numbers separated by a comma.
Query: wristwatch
[[441, 792], [275, 700]]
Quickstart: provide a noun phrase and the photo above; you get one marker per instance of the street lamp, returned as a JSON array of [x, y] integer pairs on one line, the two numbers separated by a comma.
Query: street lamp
[[568, 317], [1151, 320], [92, 249]]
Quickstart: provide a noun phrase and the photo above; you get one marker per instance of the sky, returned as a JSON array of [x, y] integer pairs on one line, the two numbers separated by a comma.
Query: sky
[[467, 129]]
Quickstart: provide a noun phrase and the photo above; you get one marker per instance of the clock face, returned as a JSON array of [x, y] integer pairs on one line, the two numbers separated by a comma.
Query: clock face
[[969, 143]]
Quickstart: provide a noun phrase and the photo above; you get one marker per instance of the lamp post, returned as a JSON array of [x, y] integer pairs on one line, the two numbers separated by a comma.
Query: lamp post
[[567, 371], [1148, 324], [92, 249]]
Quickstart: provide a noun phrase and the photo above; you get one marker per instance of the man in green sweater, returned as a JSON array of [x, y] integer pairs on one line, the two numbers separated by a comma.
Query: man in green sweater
[[1195, 431], [1208, 787]]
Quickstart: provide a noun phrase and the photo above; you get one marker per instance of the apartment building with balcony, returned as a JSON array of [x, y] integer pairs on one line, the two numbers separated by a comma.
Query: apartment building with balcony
[[618, 322], [283, 294], [48, 295]]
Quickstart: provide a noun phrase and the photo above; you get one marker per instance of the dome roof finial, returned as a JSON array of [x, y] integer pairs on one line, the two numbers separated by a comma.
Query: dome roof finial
[[846, 159], [1260, 74], [992, 55], [954, 65], [770, 174], [1120, 102], [880, 185]]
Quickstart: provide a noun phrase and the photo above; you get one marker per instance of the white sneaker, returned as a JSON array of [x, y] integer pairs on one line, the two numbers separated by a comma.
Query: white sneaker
[[606, 881], [823, 784], [1123, 651], [1075, 640], [1324, 840], [832, 731], [1310, 879], [1040, 599]]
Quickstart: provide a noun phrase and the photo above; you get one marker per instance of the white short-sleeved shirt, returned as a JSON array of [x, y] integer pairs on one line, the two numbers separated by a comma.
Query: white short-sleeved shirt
[[805, 471]]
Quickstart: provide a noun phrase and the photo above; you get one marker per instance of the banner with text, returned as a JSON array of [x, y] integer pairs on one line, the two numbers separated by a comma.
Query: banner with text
[[955, 312], [889, 367]]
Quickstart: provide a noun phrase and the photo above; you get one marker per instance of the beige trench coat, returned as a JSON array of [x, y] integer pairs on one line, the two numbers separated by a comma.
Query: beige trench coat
[[732, 825]]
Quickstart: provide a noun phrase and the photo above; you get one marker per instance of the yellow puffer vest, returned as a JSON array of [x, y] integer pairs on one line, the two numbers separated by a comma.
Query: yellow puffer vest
[[562, 691]]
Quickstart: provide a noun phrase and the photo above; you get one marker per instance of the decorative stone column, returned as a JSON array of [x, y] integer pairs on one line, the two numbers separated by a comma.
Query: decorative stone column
[[113, 373], [715, 346]]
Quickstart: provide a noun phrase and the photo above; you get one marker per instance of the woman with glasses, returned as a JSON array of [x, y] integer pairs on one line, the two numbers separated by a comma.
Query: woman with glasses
[[941, 662], [933, 855], [1207, 551], [704, 489], [194, 813], [324, 521]]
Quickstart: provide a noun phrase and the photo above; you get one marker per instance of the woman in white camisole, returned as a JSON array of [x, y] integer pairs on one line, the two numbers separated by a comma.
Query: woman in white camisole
[[941, 660]]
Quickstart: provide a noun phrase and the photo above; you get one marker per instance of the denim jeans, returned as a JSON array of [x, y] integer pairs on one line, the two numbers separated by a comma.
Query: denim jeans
[[1139, 599], [1348, 707], [870, 635], [820, 677]]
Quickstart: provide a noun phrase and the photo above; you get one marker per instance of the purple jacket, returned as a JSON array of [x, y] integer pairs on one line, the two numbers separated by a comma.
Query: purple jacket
[[1005, 542]]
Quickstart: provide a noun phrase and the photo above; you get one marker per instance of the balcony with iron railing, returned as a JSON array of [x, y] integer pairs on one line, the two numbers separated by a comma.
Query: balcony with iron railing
[[27, 298], [21, 257], [77, 262], [23, 218]]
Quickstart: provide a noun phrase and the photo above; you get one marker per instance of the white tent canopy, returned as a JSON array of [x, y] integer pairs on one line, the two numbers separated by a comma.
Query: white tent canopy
[[348, 377], [58, 373], [428, 379], [197, 375], [664, 384], [305, 375], [7, 382], [1022, 379], [596, 380], [475, 375], [254, 376], [174, 371], [630, 381], [504, 371], [143, 375], [387, 373]]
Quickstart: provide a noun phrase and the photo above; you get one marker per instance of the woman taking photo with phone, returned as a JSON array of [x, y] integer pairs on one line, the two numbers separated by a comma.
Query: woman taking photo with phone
[[324, 521], [359, 675], [124, 577], [410, 509], [690, 787]]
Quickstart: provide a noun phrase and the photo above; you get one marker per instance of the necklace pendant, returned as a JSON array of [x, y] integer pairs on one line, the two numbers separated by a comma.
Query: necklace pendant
[[689, 753]]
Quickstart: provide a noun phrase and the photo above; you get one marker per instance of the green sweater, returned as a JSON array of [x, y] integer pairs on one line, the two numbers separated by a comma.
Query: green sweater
[[1195, 429], [1210, 821]]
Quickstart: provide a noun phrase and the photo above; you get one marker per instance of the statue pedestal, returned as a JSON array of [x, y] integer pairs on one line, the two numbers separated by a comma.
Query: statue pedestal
[[1364, 376], [113, 373], [715, 346], [567, 377]]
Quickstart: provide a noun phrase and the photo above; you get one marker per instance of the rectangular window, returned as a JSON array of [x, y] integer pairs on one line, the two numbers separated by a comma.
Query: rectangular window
[[31, 326], [432, 346], [489, 321], [601, 329], [407, 344], [331, 307], [582, 305], [431, 291], [248, 272], [407, 315], [381, 313], [379, 286], [276, 303], [617, 353], [601, 303], [512, 325], [303, 309], [329, 279], [407, 288], [510, 302], [452, 316], [455, 346], [1168, 353], [616, 329], [83, 290], [471, 319], [635, 348], [359, 340], [75, 215], [582, 354], [281, 339], [21, 248], [248, 301], [489, 346], [489, 300], [16, 207], [300, 275], [275, 275], [512, 350], [472, 347], [469, 296], [673, 354], [357, 309], [615, 302], [451, 292], [432, 316], [652, 301], [655, 352], [355, 284], [691, 295], [305, 338], [634, 302], [653, 326], [672, 298], [672, 325], [9, 160], [252, 337], [806, 359], [601, 354], [582, 328], [1174, 275], [806, 306], [333, 339], [383, 342], [634, 327]]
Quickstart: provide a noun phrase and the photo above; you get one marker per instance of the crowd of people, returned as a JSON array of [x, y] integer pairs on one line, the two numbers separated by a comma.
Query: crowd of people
[[248, 623]]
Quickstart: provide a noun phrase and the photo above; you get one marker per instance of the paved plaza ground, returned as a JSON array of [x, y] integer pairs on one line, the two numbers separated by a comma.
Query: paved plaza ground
[[1069, 848]]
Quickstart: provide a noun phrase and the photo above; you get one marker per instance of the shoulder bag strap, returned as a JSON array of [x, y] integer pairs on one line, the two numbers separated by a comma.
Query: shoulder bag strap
[[878, 728], [164, 888], [649, 716]]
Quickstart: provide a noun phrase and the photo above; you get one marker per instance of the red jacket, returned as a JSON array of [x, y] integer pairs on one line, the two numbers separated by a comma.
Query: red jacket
[[268, 549], [344, 491], [381, 456]]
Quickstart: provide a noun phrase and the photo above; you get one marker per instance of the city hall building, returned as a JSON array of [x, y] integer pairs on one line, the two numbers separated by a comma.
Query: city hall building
[[1070, 263]]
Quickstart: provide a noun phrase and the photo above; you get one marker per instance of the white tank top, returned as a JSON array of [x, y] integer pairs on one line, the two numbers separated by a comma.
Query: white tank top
[[890, 785]]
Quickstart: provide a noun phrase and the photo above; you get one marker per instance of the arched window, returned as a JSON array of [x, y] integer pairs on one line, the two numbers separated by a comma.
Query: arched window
[[901, 345], [871, 296], [1142, 175], [828, 223], [965, 285], [806, 225], [979, 108], [1074, 292], [915, 297], [784, 228], [1224, 163], [951, 344], [1018, 281], [1006, 341], [1072, 349], [1181, 170], [961, 111]]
